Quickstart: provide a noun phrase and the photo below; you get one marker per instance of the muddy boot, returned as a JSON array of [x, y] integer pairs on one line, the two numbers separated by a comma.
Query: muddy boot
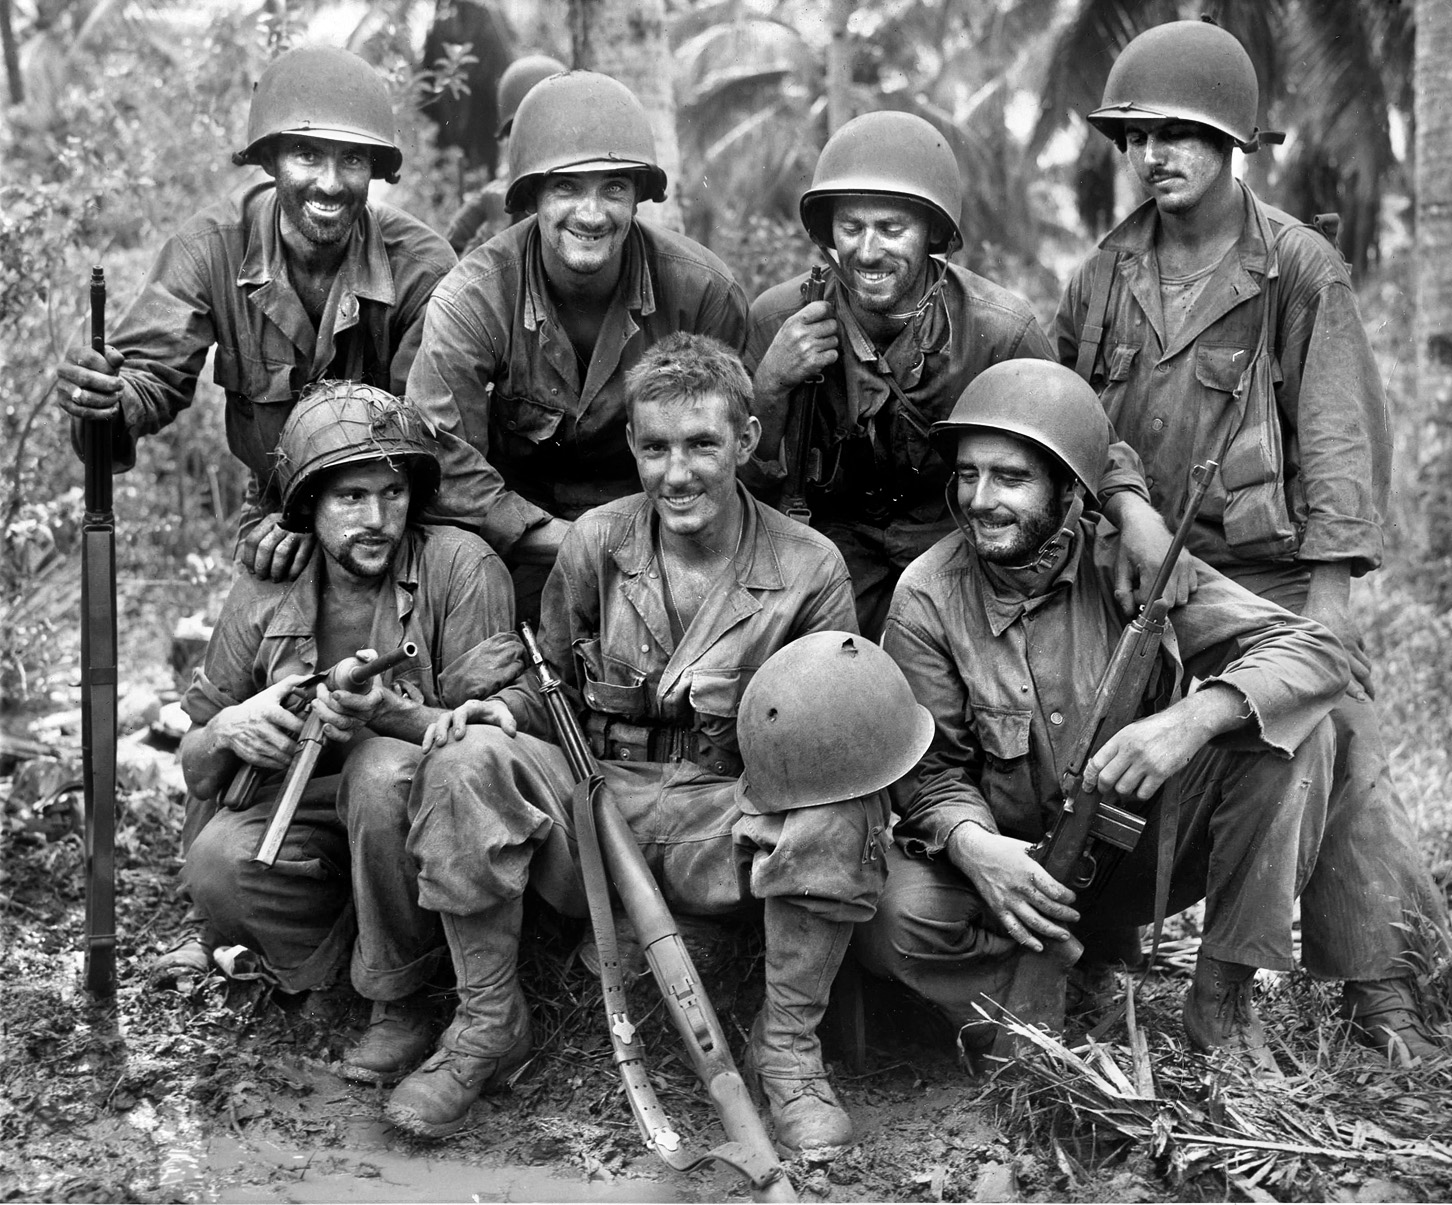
[[1220, 1014], [400, 1034], [489, 1036], [1385, 1015], [803, 952]]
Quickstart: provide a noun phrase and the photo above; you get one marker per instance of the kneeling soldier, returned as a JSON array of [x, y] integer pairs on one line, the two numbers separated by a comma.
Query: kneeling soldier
[[661, 608], [1004, 629], [355, 469]]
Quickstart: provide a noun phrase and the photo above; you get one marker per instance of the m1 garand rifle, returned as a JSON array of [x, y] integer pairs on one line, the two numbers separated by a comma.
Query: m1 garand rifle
[[349, 674], [804, 462], [1090, 835], [98, 679], [605, 841]]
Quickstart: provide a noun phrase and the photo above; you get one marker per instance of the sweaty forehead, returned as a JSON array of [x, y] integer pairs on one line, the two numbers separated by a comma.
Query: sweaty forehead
[[979, 449], [371, 474], [682, 416], [867, 209], [586, 179]]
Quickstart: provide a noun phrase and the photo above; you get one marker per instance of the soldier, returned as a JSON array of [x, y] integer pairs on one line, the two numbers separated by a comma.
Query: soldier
[[1004, 629], [895, 339], [294, 280], [659, 611], [483, 215], [1213, 325], [527, 343], [355, 472]]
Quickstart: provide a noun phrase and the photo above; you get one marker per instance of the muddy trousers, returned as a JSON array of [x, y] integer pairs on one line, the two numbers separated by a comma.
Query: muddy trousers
[[1248, 831], [1371, 906], [343, 873]]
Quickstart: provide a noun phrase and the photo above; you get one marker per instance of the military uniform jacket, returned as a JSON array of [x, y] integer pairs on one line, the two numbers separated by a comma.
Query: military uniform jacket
[[545, 436], [222, 280], [1010, 679], [1175, 404]]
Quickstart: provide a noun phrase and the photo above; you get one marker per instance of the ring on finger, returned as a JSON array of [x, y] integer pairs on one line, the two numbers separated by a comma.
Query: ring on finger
[[76, 395]]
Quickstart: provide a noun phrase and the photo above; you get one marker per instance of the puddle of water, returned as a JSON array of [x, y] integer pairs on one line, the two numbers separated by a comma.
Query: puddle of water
[[383, 1176]]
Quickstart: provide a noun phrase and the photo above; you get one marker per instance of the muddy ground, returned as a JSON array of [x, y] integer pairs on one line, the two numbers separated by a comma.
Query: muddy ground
[[219, 1090]]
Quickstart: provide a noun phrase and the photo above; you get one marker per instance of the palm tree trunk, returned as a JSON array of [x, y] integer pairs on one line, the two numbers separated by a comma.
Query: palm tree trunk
[[1434, 268], [627, 39], [12, 54], [839, 69]]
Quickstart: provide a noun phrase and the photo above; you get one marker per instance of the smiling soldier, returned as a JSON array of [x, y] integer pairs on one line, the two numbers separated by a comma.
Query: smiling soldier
[[294, 280], [660, 611], [1213, 325], [898, 335], [527, 343]]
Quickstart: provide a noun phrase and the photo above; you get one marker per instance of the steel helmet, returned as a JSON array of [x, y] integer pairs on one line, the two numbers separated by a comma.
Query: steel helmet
[[1045, 403], [887, 154], [518, 78], [323, 92], [1183, 71], [342, 422], [580, 122], [828, 717]]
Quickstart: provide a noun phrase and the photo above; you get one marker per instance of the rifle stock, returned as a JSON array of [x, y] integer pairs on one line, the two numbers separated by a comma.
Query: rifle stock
[[98, 680], [603, 834], [310, 745], [1086, 822]]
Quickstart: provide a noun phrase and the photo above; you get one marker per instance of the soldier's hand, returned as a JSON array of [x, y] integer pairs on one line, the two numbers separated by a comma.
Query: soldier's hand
[[803, 348], [1344, 628], [88, 384], [260, 730], [270, 552], [343, 711], [1028, 902], [451, 725], [1143, 542]]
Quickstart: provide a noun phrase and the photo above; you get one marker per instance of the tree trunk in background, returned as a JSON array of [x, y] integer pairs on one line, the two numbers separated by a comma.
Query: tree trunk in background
[[1433, 267], [839, 69], [626, 39], [12, 54]]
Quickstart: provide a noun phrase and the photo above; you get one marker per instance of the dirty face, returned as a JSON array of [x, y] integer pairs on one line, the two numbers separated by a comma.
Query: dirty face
[[1178, 162], [584, 218], [1009, 496], [360, 516], [882, 247], [322, 186]]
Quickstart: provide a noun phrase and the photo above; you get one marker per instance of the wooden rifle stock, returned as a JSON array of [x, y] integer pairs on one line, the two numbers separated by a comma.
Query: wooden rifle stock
[[1071, 851], [98, 679], [605, 841], [801, 409], [310, 744]]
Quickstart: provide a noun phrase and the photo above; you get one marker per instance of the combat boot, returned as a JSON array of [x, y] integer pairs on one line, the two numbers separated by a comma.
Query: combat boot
[[1385, 1015], [803, 953], [1220, 1014], [489, 1036], [400, 1034]]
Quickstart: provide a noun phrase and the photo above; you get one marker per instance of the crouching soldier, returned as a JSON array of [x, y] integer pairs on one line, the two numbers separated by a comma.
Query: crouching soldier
[[658, 613], [355, 471], [1004, 629]]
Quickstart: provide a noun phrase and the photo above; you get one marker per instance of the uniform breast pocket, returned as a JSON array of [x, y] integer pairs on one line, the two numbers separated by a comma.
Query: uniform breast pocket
[[1004, 737], [611, 686], [715, 698], [1112, 384], [522, 423], [255, 378]]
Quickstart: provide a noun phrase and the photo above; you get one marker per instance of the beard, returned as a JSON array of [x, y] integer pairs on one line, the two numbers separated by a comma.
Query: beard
[[1019, 544]]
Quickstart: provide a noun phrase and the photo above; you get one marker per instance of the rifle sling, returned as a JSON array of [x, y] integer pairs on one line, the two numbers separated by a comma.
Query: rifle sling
[[1093, 333]]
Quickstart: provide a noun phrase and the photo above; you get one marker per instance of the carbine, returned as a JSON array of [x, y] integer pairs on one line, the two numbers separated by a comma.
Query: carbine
[[804, 465], [346, 675], [1090, 836], [98, 679], [605, 840]]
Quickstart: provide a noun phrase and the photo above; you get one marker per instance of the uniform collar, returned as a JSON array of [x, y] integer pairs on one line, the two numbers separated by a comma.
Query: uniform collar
[[634, 289], [1001, 593]]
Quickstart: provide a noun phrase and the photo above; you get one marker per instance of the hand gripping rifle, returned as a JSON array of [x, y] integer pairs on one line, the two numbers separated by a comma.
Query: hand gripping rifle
[[346, 675], [606, 840], [1074, 851], [804, 462], [98, 680]]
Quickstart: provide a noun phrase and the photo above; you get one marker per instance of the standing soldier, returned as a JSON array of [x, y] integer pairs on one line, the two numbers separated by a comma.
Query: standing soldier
[[1215, 326], [294, 280], [894, 340], [527, 342], [483, 215]]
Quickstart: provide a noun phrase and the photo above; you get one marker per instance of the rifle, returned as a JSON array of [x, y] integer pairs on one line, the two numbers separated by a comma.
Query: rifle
[[604, 840], [98, 679], [1073, 850], [310, 742], [805, 462]]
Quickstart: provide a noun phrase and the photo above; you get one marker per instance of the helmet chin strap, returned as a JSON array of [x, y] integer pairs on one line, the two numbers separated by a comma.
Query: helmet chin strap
[[930, 294], [1046, 562]]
